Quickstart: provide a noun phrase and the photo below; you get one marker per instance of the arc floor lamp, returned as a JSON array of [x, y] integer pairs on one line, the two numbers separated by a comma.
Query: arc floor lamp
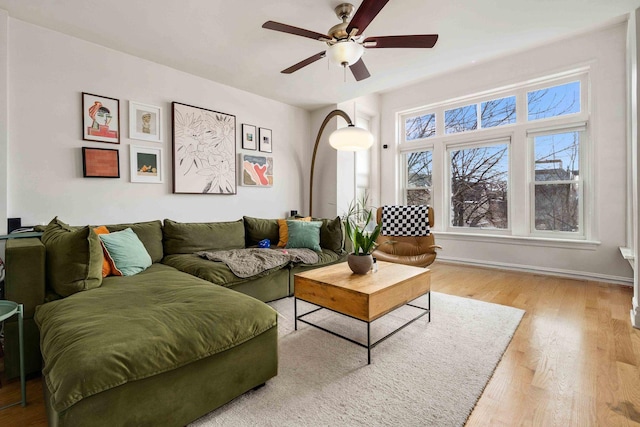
[[350, 138]]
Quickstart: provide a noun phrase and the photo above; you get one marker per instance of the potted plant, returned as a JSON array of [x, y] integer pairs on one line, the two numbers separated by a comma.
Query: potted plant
[[362, 232]]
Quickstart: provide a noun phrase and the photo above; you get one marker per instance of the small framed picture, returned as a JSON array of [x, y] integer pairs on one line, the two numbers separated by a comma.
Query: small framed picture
[[144, 122], [100, 118], [265, 140], [249, 140], [257, 171], [100, 163], [146, 164]]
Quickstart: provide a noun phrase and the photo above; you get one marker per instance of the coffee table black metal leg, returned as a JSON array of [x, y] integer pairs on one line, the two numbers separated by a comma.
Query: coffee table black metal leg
[[368, 343], [295, 313], [429, 301]]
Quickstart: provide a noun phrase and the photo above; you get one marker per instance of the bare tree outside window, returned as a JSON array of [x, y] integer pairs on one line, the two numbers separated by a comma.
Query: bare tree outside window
[[420, 127], [479, 179], [461, 119], [498, 112], [553, 101], [419, 178]]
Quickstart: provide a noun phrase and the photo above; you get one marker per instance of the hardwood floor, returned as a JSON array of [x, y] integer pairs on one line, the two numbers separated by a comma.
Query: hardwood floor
[[573, 361]]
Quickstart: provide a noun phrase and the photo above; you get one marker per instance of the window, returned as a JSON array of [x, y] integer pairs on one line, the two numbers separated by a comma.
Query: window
[[479, 177], [420, 127], [498, 112], [461, 119], [556, 197], [554, 101], [419, 178], [511, 161]]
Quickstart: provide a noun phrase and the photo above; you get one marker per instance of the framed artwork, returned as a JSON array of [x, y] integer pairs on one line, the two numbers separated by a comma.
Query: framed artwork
[[265, 140], [257, 171], [146, 164], [204, 151], [100, 163], [100, 118], [144, 122], [249, 140]]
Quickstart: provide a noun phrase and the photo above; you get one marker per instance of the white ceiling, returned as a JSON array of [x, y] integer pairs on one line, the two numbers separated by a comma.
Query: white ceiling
[[223, 40]]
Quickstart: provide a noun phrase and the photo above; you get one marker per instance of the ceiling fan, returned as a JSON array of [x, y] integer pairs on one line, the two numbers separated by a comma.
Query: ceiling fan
[[346, 41]]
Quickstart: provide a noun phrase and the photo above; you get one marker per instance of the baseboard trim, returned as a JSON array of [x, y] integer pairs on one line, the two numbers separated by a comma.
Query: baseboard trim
[[571, 274]]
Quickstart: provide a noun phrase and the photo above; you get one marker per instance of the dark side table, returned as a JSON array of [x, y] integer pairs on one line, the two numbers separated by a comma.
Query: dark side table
[[8, 309]]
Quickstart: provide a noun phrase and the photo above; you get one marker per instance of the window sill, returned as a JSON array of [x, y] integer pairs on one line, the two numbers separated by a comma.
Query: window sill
[[590, 245], [627, 253]]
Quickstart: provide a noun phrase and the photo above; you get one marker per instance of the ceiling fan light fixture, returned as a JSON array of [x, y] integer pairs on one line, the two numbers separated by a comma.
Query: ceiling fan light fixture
[[351, 138], [345, 53]]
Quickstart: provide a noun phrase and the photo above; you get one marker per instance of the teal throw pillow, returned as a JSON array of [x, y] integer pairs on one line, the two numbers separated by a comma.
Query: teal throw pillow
[[127, 251], [304, 234]]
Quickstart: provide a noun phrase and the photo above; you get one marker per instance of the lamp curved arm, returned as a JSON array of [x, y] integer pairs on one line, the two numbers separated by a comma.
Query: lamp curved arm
[[331, 115]]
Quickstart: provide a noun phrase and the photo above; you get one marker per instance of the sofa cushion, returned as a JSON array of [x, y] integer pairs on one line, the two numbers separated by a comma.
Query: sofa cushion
[[331, 234], [257, 229], [169, 319], [188, 238], [126, 251], [149, 233], [304, 234], [74, 258]]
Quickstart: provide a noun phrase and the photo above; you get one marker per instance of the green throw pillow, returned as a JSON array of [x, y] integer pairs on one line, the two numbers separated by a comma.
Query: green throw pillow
[[304, 234], [127, 251], [74, 258]]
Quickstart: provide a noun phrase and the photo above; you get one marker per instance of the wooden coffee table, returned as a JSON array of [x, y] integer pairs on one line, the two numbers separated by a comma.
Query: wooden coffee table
[[365, 297]]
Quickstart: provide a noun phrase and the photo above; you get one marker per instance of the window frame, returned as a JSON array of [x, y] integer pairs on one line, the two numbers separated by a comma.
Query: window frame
[[582, 129], [457, 146], [521, 214], [405, 176]]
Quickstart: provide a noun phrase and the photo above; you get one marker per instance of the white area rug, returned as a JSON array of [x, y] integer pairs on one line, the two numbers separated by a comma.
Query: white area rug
[[428, 374]]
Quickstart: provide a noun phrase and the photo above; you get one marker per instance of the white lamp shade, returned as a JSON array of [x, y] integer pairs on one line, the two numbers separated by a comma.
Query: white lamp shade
[[351, 138], [348, 52]]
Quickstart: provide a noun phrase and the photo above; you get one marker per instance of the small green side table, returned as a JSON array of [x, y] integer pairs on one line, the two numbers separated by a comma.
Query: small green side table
[[8, 309]]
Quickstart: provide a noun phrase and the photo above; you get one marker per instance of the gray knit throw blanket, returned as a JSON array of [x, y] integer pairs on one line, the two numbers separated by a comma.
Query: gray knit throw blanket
[[249, 262]]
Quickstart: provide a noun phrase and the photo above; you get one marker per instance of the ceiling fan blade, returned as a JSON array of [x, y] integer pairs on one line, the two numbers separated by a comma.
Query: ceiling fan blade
[[304, 63], [359, 70], [419, 41], [368, 10], [289, 29]]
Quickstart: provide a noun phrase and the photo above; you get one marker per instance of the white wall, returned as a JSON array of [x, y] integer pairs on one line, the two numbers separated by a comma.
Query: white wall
[[47, 73], [603, 50]]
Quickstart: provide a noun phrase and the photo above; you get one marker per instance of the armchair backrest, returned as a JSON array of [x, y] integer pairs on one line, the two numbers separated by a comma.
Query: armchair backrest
[[412, 250]]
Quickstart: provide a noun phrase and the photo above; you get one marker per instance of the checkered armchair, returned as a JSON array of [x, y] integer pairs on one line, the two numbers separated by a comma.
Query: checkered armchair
[[408, 240]]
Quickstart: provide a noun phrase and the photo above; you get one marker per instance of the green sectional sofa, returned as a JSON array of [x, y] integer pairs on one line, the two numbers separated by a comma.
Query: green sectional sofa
[[161, 347]]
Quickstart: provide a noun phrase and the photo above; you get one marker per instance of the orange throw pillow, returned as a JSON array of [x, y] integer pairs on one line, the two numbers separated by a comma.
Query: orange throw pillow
[[108, 266], [284, 230]]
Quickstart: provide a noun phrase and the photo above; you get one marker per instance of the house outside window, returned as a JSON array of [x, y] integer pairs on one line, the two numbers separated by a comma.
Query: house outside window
[[464, 155]]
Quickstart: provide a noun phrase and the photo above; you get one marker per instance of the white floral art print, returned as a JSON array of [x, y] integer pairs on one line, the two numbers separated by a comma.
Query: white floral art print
[[204, 150]]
